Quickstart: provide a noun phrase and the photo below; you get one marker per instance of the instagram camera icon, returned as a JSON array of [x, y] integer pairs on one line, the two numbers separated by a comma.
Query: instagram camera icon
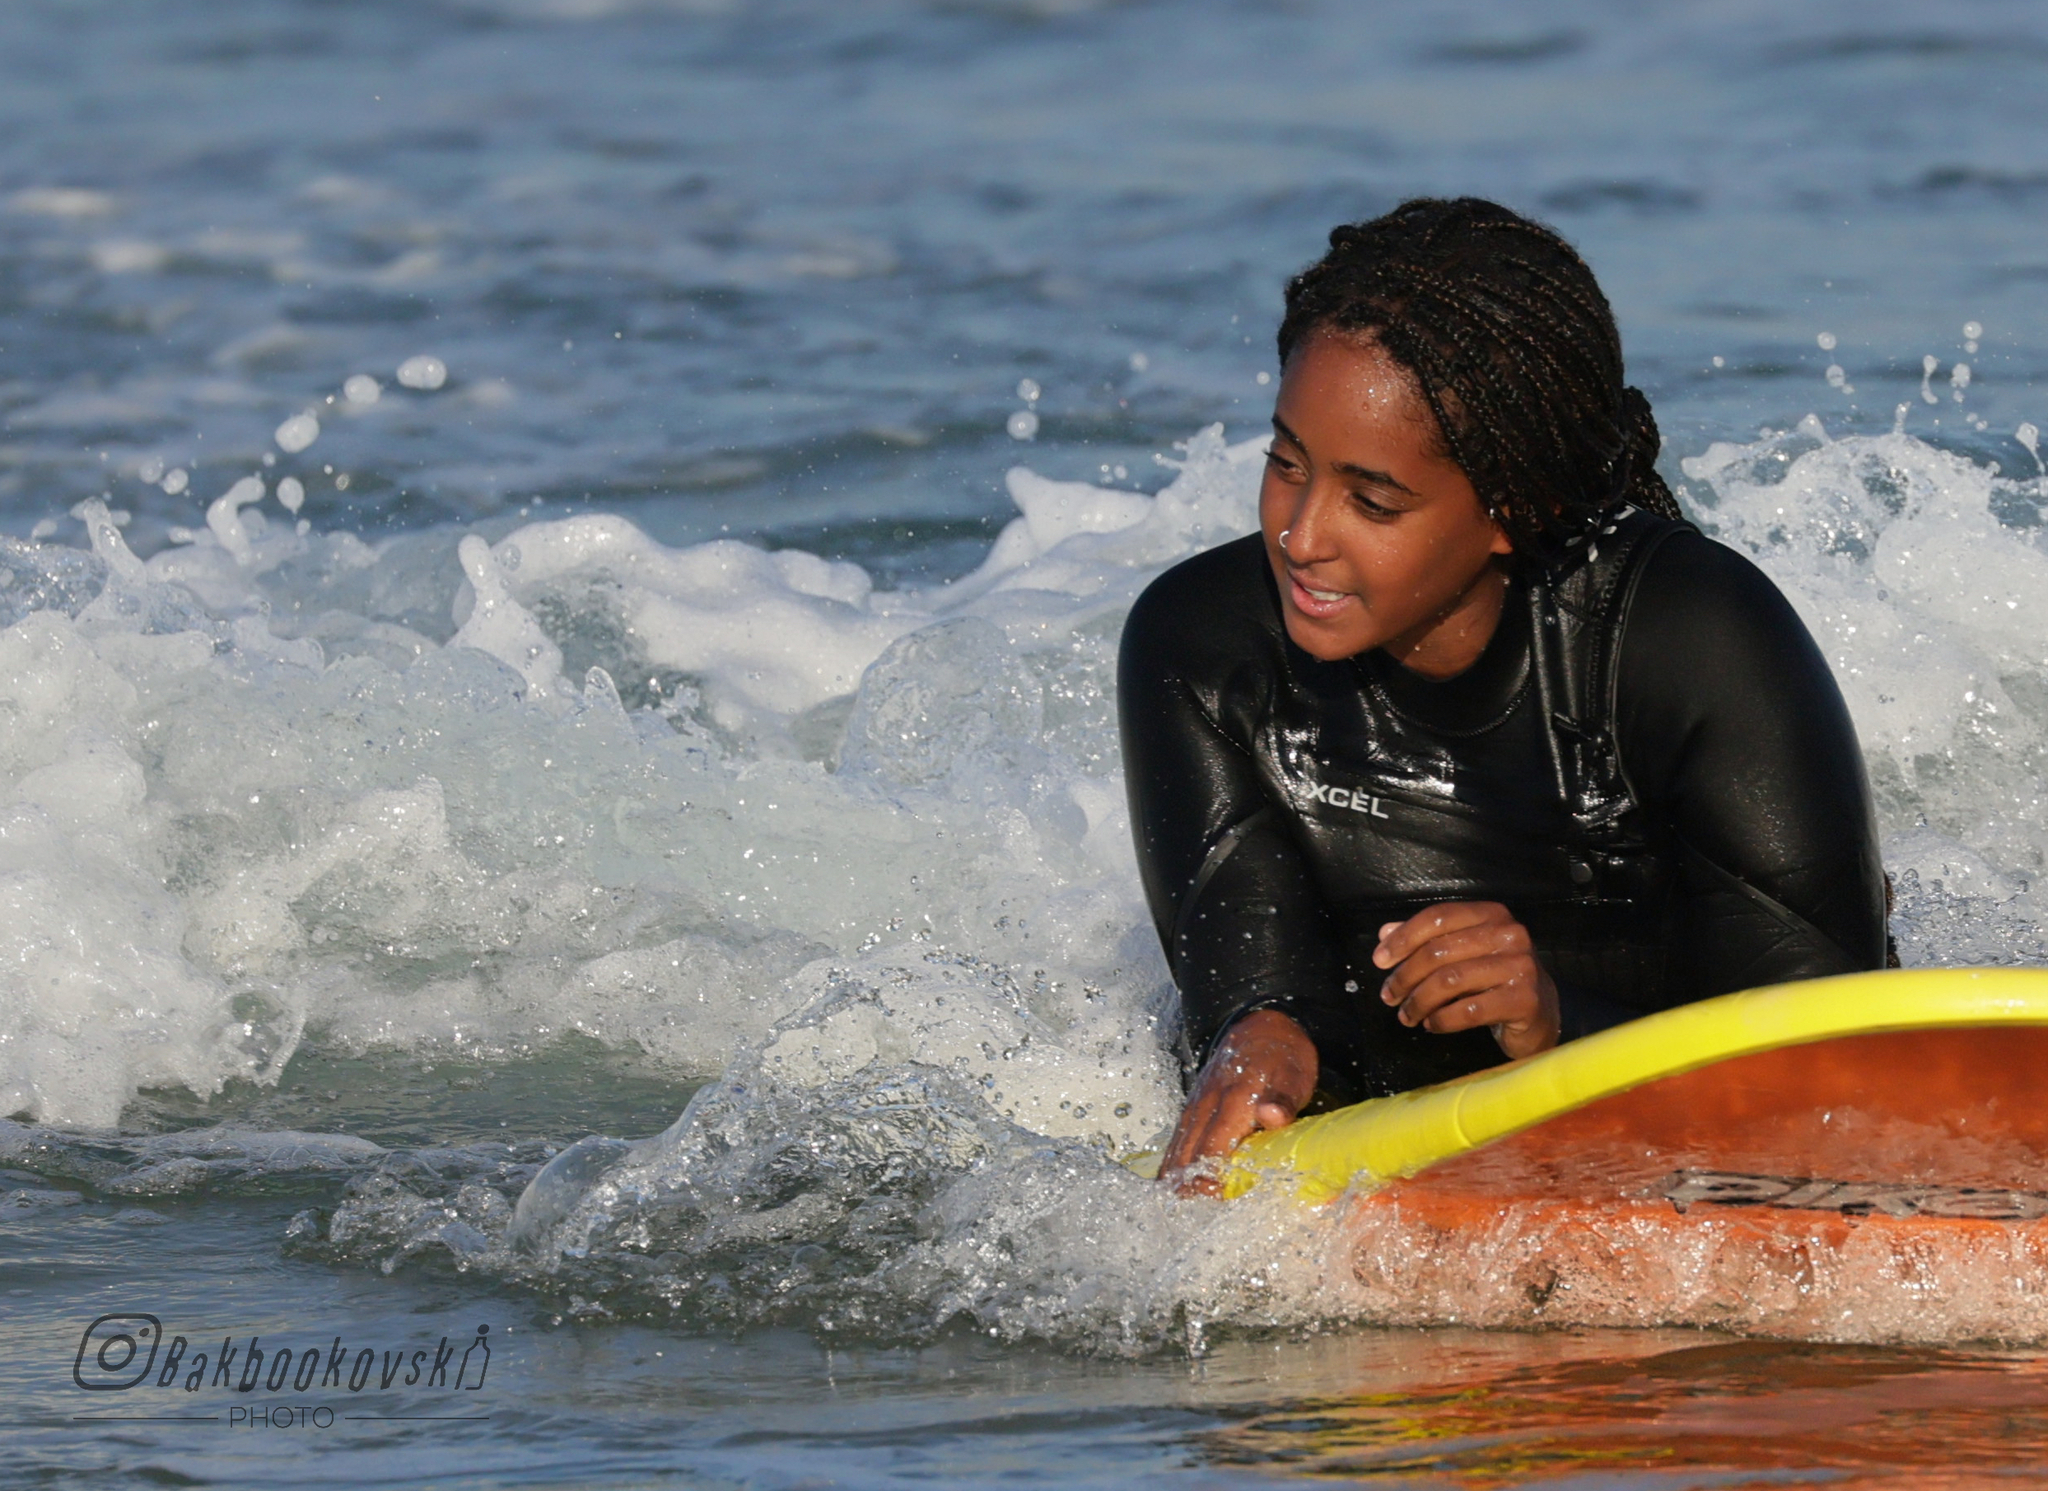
[[110, 1346]]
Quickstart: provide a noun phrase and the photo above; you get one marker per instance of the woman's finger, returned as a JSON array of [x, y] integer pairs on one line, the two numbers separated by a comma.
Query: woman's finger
[[1273, 1114], [1473, 978], [1485, 940], [1213, 1125], [1229, 1123], [1498, 1006], [1236, 1119], [1435, 921], [1185, 1147]]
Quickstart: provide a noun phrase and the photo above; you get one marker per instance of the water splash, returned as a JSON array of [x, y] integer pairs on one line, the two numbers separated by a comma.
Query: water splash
[[863, 857]]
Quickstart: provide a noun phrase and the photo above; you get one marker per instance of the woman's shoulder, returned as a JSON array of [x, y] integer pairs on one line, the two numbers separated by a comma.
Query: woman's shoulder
[[1694, 590], [1709, 637], [1217, 605]]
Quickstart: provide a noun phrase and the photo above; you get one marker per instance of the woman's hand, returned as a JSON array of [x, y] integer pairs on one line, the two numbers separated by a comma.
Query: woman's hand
[[1258, 1077], [1469, 963]]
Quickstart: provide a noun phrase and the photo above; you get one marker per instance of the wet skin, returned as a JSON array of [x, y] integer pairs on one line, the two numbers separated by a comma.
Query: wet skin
[[1386, 545]]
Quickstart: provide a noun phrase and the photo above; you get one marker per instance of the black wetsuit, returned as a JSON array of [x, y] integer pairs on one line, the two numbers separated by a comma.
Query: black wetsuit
[[1667, 793]]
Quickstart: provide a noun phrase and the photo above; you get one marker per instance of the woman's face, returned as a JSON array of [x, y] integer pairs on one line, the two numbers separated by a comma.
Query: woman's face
[[1387, 545]]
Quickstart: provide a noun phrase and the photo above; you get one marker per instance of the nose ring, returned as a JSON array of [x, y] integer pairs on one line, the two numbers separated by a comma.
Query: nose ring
[[1283, 541]]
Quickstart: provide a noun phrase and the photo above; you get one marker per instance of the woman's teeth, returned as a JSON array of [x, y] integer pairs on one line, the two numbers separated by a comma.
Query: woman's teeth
[[1318, 603]]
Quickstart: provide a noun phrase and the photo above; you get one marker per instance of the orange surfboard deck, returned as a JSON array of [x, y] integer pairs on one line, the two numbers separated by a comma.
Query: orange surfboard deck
[[1913, 1102], [1919, 1132]]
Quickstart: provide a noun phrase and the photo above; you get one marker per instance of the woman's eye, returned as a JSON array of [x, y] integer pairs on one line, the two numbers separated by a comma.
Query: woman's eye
[[1282, 464], [1373, 508]]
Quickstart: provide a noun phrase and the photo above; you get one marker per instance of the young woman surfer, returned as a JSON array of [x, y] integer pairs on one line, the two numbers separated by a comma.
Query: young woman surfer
[[1476, 746]]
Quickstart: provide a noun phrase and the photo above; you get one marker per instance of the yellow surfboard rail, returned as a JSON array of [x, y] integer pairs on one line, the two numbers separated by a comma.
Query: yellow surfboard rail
[[1390, 1138]]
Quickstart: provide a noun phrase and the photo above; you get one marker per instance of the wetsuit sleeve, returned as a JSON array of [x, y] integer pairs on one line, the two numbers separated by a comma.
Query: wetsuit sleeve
[[1237, 912], [1732, 730]]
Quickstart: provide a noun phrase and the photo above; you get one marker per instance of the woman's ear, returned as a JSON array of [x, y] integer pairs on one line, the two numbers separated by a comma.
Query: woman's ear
[[1502, 544]]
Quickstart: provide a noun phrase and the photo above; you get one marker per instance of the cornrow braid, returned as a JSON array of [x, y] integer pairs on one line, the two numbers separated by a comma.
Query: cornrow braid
[[1515, 351]]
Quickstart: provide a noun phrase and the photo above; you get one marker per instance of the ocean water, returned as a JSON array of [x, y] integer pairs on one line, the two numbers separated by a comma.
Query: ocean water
[[560, 822]]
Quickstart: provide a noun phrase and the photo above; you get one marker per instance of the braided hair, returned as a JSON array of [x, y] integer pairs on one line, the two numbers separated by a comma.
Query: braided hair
[[1513, 348]]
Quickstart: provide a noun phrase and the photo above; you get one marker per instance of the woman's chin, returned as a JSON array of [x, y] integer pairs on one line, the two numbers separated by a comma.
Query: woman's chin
[[1328, 641]]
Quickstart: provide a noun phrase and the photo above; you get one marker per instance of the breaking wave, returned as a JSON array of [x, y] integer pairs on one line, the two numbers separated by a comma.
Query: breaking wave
[[859, 860]]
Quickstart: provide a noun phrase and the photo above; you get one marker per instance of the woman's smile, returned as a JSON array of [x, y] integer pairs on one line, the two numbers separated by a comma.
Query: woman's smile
[[1311, 601]]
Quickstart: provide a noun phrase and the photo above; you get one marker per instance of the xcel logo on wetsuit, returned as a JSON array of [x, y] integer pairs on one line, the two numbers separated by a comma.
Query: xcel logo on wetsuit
[[1344, 797]]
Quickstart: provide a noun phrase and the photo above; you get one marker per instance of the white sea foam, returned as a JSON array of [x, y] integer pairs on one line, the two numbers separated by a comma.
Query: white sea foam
[[309, 813], [864, 854], [1924, 578]]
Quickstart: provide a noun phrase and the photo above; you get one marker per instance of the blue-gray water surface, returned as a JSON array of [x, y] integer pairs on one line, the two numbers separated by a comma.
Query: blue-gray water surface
[[815, 277]]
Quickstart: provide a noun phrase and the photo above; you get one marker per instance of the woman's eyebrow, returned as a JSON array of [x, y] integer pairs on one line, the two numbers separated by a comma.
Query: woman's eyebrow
[[1347, 468]]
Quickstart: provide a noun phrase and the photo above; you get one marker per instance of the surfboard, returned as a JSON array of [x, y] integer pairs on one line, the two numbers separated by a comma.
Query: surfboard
[[1915, 1101]]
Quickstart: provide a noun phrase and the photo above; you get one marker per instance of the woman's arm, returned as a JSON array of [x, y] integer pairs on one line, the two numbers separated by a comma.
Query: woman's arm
[[1238, 913], [1731, 727]]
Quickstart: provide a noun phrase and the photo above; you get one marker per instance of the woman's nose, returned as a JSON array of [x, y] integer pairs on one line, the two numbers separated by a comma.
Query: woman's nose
[[1309, 533]]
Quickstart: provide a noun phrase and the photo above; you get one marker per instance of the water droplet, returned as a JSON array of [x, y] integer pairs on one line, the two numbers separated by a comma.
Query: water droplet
[[298, 432], [363, 389], [1023, 425], [425, 372], [1826, 340], [2029, 436]]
